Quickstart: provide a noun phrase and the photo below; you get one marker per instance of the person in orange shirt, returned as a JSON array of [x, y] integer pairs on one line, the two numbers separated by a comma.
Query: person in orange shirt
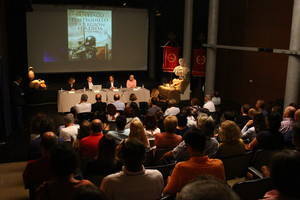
[[169, 139], [131, 82], [199, 164]]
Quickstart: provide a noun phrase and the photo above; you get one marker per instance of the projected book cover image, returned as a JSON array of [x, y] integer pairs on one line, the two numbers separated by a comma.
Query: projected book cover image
[[89, 34]]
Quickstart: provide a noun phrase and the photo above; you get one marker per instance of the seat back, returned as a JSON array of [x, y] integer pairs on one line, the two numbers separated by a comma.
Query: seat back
[[253, 189], [237, 166], [158, 153], [165, 170], [84, 116]]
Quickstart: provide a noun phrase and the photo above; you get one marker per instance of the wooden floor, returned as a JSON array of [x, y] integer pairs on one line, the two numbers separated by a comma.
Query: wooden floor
[[11, 183]]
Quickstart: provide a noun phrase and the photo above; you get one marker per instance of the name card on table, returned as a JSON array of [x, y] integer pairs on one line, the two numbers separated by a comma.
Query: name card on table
[[136, 89], [71, 92], [116, 90]]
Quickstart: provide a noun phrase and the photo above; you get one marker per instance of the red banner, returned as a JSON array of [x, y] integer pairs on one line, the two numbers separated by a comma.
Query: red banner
[[171, 56], [199, 61]]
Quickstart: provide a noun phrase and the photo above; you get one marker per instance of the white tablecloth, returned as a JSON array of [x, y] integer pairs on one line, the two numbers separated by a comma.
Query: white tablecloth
[[68, 99]]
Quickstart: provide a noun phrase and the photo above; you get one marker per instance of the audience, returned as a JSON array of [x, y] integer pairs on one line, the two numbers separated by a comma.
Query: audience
[[83, 106], [209, 105], [84, 130], [287, 120], [134, 181], [99, 106], [89, 192], [150, 124], [38, 171], [121, 133], [64, 162], [296, 135], [207, 188], [182, 124], [120, 106], [168, 139], [69, 132], [172, 110], [106, 162], [285, 175], [260, 107], [198, 164], [112, 113], [137, 132], [88, 146], [244, 116], [231, 142], [254, 126], [153, 106]]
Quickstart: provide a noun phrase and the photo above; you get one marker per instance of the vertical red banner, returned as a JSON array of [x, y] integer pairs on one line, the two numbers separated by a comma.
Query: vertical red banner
[[199, 61], [171, 56]]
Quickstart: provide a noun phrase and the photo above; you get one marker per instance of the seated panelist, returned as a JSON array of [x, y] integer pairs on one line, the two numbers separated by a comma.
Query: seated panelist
[[131, 82], [71, 85], [88, 84], [111, 84]]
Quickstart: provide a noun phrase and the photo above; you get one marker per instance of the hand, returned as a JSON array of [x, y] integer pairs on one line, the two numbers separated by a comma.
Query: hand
[[249, 123]]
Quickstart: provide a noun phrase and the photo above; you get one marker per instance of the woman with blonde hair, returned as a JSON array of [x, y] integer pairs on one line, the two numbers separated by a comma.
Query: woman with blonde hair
[[137, 131], [231, 142]]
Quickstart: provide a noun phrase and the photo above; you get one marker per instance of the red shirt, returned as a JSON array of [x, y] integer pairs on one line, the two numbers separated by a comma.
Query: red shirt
[[88, 146], [186, 171], [167, 140], [36, 172]]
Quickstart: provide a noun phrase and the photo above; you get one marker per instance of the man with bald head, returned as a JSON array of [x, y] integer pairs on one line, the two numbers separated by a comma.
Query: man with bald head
[[287, 122], [99, 106], [119, 104], [38, 171], [88, 146]]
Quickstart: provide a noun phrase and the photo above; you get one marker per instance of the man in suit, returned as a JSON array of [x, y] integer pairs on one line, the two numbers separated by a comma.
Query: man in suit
[[112, 84], [89, 83], [18, 102], [99, 106], [71, 85]]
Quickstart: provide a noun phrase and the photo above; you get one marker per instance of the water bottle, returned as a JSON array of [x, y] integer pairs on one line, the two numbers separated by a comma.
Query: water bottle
[[121, 86], [143, 86], [84, 89]]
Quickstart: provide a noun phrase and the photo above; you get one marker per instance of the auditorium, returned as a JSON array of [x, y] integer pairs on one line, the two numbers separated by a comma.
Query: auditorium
[[149, 100]]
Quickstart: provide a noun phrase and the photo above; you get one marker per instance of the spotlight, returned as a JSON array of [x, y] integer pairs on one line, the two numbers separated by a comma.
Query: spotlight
[[124, 3]]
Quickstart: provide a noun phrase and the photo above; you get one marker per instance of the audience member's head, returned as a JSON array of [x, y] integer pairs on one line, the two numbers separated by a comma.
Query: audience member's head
[[207, 124], [289, 112], [229, 132], [116, 97], [252, 112], [48, 141], [182, 120], [150, 122], [259, 122], [121, 122], [195, 140], [96, 126], [296, 135], [107, 149], [260, 105], [297, 115], [207, 98], [84, 129], [111, 109], [89, 192], [195, 102], [274, 121], [132, 97], [228, 115], [170, 124], [64, 160], [84, 98], [42, 123], [207, 188], [137, 131], [69, 119], [154, 100], [245, 108], [172, 103], [285, 174], [132, 154], [98, 97]]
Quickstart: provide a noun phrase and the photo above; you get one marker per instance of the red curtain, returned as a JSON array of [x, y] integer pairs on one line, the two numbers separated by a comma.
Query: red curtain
[[171, 56], [199, 61]]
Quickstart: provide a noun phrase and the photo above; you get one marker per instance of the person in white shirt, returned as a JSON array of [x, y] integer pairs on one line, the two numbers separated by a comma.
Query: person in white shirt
[[69, 132], [209, 105], [119, 105], [83, 106], [173, 109], [89, 83], [216, 99], [134, 182]]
